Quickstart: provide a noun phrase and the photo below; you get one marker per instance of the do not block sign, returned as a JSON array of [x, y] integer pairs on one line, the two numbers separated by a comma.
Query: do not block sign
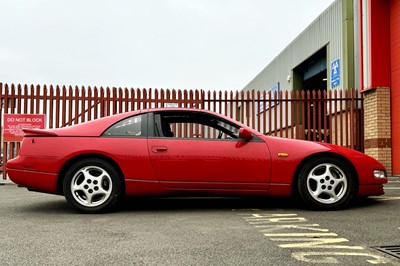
[[14, 123]]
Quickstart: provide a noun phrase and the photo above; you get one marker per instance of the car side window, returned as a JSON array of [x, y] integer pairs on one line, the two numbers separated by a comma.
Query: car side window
[[193, 125], [129, 127]]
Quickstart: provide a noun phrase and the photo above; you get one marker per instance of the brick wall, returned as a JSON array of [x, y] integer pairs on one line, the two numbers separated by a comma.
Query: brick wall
[[377, 126]]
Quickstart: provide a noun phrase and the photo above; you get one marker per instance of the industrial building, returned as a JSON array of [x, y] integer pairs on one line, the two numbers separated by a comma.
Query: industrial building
[[352, 44]]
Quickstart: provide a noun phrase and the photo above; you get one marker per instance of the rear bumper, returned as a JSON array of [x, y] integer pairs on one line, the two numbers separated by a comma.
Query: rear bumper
[[38, 181], [370, 190]]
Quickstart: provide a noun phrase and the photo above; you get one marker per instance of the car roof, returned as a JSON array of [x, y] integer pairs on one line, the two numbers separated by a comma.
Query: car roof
[[96, 127]]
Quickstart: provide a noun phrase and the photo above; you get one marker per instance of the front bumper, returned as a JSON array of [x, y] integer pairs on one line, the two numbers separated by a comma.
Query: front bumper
[[370, 190]]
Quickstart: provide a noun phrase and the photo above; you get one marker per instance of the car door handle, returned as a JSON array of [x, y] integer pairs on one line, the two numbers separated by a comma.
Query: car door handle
[[159, 149]]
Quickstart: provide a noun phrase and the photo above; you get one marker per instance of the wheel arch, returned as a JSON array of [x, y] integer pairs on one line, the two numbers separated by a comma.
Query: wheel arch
[[319, 155], [73, 160]]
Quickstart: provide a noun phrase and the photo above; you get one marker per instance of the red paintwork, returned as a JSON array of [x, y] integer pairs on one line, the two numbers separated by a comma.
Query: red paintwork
[[157, 166], [215, 163], [379, 43]]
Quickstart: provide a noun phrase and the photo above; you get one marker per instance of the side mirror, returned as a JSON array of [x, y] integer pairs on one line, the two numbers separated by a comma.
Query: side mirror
[[245, 134]]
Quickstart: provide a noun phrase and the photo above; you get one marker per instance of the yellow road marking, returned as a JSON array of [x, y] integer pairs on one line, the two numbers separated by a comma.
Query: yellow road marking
[[287, 229], [328, 257]]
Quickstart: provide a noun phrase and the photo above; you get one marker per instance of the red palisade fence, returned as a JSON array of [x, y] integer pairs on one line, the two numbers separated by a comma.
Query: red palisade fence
[[327, 116]]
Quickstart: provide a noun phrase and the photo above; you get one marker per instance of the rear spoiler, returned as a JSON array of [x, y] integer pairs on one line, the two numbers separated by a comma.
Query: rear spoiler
[[38, 133]]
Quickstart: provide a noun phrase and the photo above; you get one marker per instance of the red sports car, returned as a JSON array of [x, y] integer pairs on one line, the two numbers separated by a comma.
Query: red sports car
[[172, 151]]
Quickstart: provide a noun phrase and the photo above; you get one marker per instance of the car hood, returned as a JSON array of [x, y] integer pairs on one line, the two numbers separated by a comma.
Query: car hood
[[304, 148]]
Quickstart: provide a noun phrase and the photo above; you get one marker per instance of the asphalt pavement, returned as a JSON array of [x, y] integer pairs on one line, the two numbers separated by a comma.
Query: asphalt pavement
[[41, 229]]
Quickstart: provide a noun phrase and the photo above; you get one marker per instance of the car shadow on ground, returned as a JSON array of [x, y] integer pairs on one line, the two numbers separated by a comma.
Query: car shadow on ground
[[227, 203], [50, 207], [174, 204], [205, 203]]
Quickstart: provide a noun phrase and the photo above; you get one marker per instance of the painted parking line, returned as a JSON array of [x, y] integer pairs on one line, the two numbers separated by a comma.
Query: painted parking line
[[394, 188], [308, 242]]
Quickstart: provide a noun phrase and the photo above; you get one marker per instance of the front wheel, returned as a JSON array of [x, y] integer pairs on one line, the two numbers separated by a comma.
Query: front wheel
[[92, 186], [326, 184]]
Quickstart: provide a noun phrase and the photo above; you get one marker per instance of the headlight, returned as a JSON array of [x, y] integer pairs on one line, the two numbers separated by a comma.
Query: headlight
[[379, 173]]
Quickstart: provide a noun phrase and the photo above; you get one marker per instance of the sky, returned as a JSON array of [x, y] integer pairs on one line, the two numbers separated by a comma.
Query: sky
[[175, 44]]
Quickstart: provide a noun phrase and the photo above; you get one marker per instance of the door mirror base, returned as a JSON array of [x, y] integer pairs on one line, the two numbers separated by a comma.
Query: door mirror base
[[245, 134]]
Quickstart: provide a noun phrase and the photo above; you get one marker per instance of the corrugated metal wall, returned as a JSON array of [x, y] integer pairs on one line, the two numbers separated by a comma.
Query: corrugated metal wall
[[326, 30]]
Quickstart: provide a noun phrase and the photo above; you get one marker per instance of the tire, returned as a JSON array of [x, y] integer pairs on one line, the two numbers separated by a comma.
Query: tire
[[326, 184], [92, 186]]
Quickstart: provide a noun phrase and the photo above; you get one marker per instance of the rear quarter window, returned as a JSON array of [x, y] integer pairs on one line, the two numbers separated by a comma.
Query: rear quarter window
[[129, 127]]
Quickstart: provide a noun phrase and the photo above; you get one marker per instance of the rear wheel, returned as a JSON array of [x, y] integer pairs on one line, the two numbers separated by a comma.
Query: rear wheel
[[92, 186], [326, 184]]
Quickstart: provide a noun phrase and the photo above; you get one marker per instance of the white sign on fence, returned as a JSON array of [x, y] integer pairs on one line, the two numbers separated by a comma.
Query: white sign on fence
[[265, 105]]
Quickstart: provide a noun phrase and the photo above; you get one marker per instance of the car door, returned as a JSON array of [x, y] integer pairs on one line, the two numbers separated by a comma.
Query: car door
[[194, 150], [126, 143]]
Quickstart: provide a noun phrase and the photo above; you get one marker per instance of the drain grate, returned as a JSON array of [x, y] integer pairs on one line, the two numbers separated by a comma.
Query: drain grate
[[391, 250]]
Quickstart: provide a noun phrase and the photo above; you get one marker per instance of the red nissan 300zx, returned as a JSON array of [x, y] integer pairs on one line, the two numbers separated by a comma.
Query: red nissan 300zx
[[161, 152]]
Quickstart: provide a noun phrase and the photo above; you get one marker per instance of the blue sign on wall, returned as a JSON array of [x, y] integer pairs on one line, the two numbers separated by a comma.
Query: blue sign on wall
[[335, 73]]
